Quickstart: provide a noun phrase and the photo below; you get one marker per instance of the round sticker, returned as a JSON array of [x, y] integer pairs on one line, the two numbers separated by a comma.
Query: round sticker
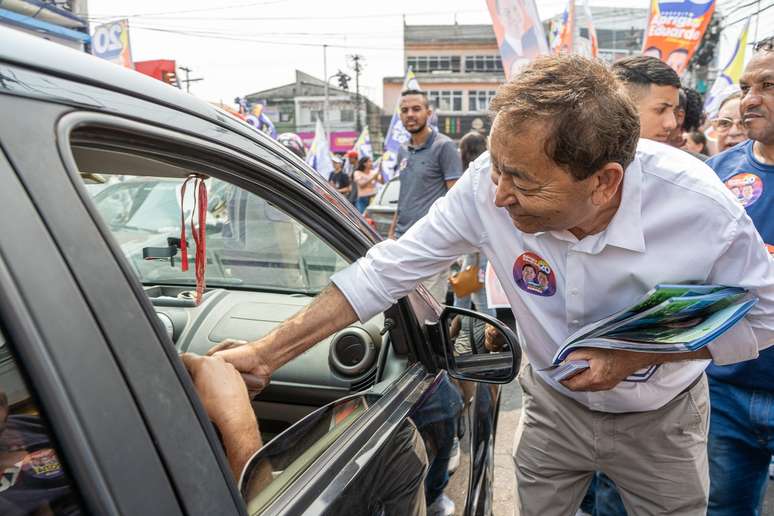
[[770, 248], [42, 464], [533, 274], [747, 188]]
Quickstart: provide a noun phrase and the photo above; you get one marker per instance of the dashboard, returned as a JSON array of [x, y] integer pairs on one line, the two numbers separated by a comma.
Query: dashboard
[[337, 366]]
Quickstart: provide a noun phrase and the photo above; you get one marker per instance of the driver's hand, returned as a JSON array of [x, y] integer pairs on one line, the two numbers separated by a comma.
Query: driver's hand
[[221, 390], [494, 340], [247, 359]]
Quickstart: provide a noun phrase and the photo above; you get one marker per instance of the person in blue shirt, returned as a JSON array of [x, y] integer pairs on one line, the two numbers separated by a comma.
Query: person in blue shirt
[[741, 435]]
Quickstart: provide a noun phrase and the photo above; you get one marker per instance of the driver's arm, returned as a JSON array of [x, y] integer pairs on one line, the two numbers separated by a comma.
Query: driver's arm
[[224, 396]]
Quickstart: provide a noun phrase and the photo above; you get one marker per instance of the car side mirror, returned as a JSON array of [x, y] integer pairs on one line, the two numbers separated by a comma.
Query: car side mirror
[[478, 347]]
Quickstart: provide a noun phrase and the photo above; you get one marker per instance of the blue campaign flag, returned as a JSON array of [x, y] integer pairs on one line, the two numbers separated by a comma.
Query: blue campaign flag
[[319, 155]]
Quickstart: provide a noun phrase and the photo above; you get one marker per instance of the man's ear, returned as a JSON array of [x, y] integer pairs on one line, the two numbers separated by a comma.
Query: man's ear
[[606, 182]]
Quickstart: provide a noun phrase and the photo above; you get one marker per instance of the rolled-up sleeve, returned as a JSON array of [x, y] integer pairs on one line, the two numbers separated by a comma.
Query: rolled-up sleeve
[[391, 269], [746, 263]]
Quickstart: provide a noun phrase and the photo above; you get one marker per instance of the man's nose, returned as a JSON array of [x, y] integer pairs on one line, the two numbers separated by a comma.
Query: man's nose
[[670, 122], [752, 99], [504, 195]]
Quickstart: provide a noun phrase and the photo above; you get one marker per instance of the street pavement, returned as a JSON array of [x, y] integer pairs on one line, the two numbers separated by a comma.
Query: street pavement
[[504, 478]]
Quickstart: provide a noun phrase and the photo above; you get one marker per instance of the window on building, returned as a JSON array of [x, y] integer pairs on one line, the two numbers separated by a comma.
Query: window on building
[[446, 100], [315, 115], [347, 115], [478, 100], [285, 117], [429, 64], [477, 64]]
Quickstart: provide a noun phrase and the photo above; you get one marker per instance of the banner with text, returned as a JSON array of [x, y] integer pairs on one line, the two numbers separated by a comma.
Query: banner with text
[[675, 30], [519, 32], [110, 41]]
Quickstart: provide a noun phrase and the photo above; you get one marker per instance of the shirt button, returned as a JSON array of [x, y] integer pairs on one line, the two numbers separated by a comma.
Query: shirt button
[[574, 292]]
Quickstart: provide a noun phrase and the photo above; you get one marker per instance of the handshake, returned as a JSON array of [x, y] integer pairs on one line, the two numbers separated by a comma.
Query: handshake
[[226, 379]]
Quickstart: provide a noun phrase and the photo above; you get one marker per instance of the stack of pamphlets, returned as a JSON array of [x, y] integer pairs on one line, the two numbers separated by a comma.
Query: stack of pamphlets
[[668, 319]]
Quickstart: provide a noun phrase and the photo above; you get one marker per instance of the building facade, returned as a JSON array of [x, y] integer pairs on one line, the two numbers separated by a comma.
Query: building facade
[[458, 66], [296, 107]]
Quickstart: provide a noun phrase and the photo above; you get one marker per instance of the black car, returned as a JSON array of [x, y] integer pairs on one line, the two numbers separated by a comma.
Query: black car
[[97, 412]]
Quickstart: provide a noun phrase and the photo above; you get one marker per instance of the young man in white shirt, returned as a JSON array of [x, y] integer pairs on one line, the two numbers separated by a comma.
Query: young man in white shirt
[[567, 186]]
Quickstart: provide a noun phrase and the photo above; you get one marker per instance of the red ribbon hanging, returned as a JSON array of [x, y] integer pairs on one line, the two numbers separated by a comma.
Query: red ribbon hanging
[[199, 233]]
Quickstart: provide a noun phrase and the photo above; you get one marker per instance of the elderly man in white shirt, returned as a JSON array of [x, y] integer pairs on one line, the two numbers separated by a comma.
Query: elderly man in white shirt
[[568, 195]]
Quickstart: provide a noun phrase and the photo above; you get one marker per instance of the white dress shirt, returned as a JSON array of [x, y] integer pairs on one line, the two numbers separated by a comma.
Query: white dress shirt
[[676, 223]]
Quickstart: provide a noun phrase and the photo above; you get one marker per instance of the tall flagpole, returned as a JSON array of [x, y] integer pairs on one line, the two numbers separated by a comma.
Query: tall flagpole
[[325, 103]]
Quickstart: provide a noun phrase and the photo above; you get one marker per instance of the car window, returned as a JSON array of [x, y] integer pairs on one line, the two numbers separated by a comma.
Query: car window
[[33, 478], [263, 265], [250, 243], [390, 193]]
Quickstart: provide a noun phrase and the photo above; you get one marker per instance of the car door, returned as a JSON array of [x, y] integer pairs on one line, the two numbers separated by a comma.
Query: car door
[[407, 369]]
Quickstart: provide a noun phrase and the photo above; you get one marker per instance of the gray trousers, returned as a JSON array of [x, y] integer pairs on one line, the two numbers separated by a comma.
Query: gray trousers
[[657, 459]]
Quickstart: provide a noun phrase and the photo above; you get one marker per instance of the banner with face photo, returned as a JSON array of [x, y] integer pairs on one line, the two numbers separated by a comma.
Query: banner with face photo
[[519, 32], [675, 29]]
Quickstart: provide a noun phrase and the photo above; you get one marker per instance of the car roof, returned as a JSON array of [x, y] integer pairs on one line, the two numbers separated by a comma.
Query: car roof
[[35, 53]]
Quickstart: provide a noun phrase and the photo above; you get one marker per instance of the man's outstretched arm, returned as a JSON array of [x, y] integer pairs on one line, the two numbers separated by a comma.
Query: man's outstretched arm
[[328, 313]]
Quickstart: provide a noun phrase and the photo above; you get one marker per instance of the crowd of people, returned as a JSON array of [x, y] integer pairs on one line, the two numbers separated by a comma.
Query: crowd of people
[[609, 176]]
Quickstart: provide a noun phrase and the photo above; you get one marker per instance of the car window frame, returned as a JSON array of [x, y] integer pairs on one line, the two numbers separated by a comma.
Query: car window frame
[[279, 198], [43, 364]]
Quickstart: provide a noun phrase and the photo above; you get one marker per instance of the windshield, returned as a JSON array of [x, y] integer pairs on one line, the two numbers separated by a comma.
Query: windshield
[[250, 243]]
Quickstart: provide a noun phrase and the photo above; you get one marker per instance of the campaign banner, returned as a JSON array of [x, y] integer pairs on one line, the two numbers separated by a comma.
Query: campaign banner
[[675, 30], [319, 155], [363, 145], [519, 33], [565, 39], [727, 81], [565, 36], [110, 41]]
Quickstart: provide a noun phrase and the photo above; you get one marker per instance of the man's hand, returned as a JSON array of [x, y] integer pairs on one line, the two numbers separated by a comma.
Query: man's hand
[[248, 360], [221, 390], [607, 368], [494, 340], [224, 396]]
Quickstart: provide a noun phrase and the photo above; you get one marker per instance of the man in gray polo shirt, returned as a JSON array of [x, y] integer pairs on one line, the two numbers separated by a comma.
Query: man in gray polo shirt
[[429, 165]]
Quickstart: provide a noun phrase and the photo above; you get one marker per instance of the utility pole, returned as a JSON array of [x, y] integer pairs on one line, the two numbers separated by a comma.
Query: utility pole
[[188, 80], [325, 102], [356, 63]]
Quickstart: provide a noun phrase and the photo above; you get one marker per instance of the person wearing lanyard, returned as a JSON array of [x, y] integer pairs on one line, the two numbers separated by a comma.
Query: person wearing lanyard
[[566, 184]]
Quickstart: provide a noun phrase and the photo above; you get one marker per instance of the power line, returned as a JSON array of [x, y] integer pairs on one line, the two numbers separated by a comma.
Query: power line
[[297, 18], [263, 42], [183, 11]]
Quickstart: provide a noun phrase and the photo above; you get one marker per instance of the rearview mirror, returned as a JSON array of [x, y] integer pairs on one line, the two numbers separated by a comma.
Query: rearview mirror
[[478, 347]]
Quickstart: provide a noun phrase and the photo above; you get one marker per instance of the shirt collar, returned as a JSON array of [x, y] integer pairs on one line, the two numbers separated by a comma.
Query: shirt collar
[[625, 229], [427, 143]]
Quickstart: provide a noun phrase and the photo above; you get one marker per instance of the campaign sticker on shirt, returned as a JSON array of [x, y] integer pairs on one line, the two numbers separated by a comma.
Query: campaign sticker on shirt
[[42, 464], [403, 164], [770, 248], [747, 188], [533, 275]]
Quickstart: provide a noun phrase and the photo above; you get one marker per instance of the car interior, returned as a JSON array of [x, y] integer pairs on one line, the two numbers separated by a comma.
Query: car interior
[[262, 266]]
